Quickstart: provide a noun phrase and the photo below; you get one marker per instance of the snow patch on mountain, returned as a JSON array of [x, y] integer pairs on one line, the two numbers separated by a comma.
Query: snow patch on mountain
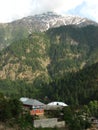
[[45, 21]]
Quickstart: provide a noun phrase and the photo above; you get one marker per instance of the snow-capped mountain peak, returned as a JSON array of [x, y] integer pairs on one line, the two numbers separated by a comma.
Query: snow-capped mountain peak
[[45, 21]]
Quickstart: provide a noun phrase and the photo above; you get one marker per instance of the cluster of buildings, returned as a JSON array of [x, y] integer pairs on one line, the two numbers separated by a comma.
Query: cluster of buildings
[[37, 108]]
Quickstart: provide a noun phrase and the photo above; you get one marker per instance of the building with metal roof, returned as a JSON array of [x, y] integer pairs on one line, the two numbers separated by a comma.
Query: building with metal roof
[[36, 107], [56, 103]]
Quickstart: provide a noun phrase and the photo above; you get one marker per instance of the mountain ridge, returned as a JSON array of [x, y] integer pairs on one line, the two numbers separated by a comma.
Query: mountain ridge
[[51, 20], [22, 28]]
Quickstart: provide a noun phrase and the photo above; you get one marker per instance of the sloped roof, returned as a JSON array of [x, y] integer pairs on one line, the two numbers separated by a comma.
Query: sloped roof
[[56, 103], [32, 102], [23, 99]]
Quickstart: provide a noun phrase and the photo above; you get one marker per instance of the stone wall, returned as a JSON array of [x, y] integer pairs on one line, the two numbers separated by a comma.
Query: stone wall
[[45, 123]]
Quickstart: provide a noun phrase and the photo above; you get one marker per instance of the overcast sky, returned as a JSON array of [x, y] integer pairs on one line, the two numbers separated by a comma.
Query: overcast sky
[[16, 9]]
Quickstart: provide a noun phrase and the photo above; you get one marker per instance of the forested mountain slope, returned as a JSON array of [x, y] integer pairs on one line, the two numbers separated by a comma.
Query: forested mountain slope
[[72, 48], [75, 88], [50, 54], [45, 64]]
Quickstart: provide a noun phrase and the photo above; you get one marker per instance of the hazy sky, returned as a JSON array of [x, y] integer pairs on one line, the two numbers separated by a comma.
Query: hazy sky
[[15, 9]]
